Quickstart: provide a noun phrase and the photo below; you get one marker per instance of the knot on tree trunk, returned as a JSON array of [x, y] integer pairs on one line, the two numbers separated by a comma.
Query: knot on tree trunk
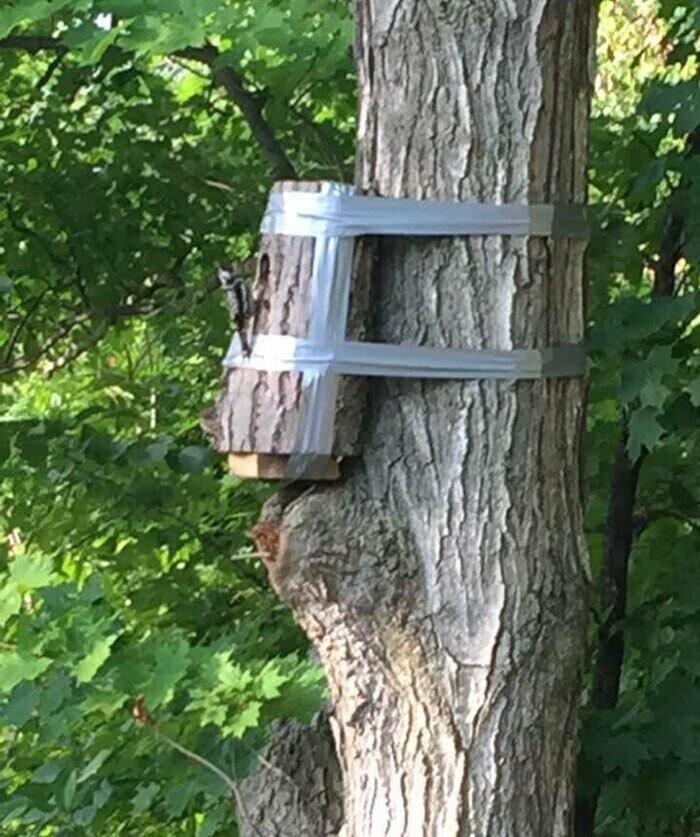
[[340, 549], [349, 572]]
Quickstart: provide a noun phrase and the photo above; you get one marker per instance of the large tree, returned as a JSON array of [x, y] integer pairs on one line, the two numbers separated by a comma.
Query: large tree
[[444, 582], [443, 579]]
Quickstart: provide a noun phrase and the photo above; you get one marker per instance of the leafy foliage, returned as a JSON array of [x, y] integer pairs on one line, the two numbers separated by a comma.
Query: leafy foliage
[[125, 571], [644, 340], [129, 168]]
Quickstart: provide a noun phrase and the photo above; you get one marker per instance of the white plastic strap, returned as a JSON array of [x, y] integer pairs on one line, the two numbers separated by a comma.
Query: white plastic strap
[[340, 214]]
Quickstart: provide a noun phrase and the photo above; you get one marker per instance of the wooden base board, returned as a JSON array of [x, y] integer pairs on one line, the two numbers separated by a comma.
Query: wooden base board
[[270, 466]]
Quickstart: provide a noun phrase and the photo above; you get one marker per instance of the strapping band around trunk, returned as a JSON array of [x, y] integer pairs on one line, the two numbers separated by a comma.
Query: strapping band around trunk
[[334, 217]]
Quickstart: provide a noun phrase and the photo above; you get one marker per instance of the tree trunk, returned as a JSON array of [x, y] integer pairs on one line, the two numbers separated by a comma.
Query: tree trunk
[[444, 581]]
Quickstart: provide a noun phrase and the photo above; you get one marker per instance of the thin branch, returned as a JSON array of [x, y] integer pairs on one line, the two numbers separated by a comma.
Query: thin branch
[[143, 718], [65, 328], [33, 43], [49, 72], [9, 346], [250, 105], [183, 65]]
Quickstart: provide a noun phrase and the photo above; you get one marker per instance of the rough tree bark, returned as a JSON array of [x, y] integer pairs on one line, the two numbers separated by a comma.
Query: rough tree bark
[[444, 581]]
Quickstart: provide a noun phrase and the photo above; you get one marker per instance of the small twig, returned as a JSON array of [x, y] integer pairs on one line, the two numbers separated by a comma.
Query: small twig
[[17, 330], [188, 67], [21, 228], [33, 43], [217, 184], [47, 75], [244, 556], [143, 718]]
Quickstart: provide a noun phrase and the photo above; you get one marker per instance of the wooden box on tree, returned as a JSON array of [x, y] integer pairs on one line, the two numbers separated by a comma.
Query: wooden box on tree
[[258, 416]]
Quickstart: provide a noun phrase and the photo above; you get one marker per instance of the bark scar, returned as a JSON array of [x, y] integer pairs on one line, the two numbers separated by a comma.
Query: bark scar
[[267, 537]]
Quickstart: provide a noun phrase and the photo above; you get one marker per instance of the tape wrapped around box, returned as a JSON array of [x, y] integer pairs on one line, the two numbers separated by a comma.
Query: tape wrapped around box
[[293, 395], [257, 418]]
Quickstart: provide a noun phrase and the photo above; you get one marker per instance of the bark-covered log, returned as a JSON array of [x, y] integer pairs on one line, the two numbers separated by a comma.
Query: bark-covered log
[[445, 580], [257, 416]]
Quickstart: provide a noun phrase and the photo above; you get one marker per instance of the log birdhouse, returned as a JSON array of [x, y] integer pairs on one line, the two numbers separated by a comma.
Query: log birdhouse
[[258, 416]]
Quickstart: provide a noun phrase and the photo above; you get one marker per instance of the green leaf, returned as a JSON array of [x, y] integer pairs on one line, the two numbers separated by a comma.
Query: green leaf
[[157, 451], [271, 680], [16, 667], [192, 459], [634, 378], [645, 432], [34, 449], [178, 798], [93, 766], [88, 667], [10, 602], [654, 394], [625, 752], [69, 789], [642, 378], [31, 572], [6, 285], [49, 771], [11, 811], [21, 704], [693, 389], [213, 820], [145, 796], [171, 664], [244, 720], [57, 690]]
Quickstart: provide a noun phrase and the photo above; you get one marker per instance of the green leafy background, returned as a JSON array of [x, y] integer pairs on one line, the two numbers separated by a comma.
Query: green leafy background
[[126, 174]]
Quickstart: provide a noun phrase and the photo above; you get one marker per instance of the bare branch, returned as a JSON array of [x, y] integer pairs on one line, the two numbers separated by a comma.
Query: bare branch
[[49, 73], [33, 43], [250, 105], [64, 330]]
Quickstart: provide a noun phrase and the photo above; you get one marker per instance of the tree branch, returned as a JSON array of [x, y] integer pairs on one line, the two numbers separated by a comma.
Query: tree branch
[[9, 346], [50, 71], [233, 83], [249, 104], [33, 43]]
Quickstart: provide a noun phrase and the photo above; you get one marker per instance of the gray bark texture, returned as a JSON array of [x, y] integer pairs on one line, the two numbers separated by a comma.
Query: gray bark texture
[[260, 412], [444, 580], [298, 789]]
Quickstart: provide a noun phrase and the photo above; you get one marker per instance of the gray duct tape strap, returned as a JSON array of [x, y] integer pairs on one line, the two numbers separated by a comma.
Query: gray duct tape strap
[[278, 353], [340, 214], [334, 216]]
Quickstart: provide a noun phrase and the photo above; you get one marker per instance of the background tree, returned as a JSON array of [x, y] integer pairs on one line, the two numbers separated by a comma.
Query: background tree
[[128, 170]]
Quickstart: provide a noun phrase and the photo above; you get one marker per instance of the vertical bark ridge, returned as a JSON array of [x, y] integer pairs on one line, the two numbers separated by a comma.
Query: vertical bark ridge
[[445, 581]]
